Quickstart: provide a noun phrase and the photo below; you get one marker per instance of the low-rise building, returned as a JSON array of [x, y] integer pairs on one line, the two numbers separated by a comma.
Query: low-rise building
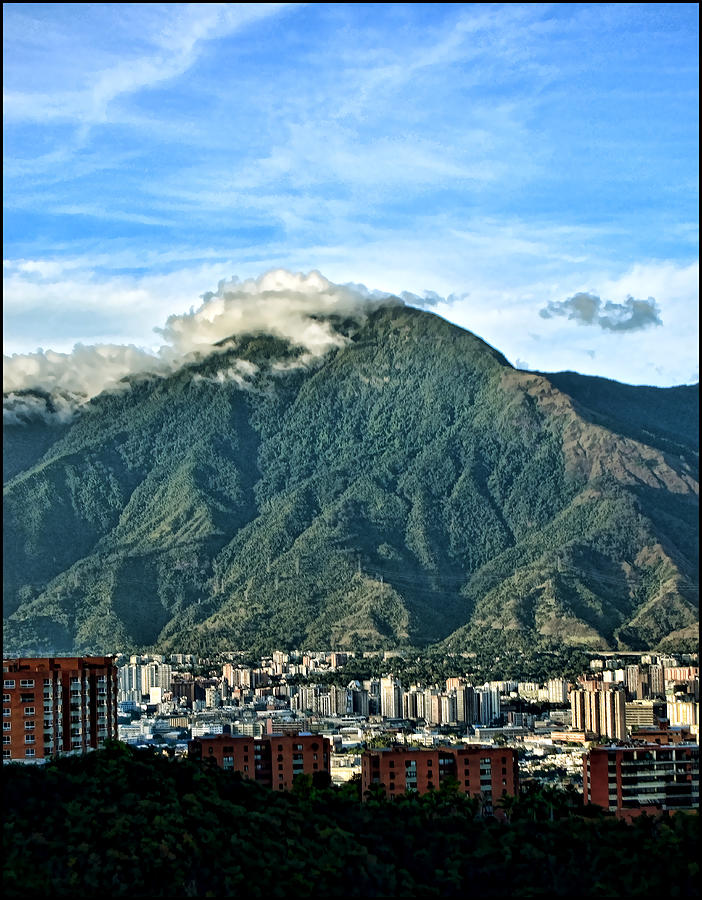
[[488, 773], [274, 760], [642, 776]]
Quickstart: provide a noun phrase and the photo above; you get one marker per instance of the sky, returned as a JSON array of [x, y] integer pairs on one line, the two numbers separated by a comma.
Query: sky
[[529, 172]]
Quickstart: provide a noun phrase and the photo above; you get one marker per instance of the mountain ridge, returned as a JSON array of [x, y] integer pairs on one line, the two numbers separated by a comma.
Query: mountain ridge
[[408, 487]]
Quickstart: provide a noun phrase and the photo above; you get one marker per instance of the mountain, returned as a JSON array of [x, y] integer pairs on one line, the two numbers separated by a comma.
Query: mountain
[[408, 487]]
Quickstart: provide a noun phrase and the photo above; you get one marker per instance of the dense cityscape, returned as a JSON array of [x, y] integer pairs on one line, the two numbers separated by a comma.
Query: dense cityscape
[[639, 710]]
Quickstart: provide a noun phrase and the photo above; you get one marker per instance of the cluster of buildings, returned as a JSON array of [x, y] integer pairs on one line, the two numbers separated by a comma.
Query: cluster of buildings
[[609, 702], [280, 719], [614, 701], [157, 681]]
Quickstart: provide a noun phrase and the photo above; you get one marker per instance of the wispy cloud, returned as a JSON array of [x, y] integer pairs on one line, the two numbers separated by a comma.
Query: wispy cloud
[[177, 37]]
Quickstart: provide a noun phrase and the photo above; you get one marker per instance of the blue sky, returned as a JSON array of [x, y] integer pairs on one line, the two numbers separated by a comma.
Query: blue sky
[[531, 169]]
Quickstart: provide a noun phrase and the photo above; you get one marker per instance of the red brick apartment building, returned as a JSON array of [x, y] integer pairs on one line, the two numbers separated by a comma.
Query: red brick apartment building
[[57, 705], [485, 772], [644, 777], [273, 760]]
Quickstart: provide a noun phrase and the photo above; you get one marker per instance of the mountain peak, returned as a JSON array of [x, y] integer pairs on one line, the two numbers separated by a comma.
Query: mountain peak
[[407, 485]]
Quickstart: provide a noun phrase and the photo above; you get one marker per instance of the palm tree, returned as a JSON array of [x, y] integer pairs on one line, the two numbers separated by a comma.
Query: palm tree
[[508, 803]]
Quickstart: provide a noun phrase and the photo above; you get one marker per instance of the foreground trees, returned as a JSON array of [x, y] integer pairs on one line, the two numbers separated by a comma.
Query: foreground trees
[[125, 822]]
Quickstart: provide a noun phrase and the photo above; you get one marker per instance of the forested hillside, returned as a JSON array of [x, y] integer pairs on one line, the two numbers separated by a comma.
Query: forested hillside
[[210, 834], [406, 488]]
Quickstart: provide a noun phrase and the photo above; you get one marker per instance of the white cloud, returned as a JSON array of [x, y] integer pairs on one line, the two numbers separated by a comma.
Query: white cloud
[[84, 371], [281, 303]]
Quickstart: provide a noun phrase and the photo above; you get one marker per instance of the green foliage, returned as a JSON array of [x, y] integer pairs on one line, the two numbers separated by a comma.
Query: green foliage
[[405, 489], [122, 822]]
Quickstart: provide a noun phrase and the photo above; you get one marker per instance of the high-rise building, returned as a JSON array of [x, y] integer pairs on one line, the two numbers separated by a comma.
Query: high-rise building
[[409, 704], [488, 704], [656, 681], [680, 674], [613, 714], [359, 701], [449, 707], [601, 712], [634, 683], [156, 674], [57, 705], [465, 704], [683, 711], [557, 690], [390, 698]]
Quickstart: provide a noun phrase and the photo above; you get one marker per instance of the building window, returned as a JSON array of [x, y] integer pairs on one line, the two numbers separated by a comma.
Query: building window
[[29, 724], [29, 710], [6, 698], [29, 739], [30, 751], [6, 754], [8, 683], [6, 726], [6, 738], [27, 682], [7, 712]]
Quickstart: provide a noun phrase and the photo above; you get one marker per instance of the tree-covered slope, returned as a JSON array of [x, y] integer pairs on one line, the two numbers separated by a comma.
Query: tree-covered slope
[[408, 487], [121, 822]]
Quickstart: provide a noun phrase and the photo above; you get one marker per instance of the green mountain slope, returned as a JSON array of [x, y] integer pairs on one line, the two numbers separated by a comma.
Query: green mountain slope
[[409, 487]]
